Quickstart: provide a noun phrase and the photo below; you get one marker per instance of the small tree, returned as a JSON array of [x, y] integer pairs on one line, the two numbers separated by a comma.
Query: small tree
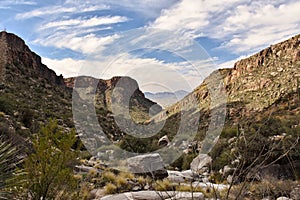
[[48, 170]]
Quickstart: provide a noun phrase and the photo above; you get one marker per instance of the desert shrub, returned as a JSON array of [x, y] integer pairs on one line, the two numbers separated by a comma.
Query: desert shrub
[[217, 177], [127, 175], [110, 188], [187, 159], [137, 145], [229, 132], [108, 177], [27, 117], [184, 161], [270, 187], [8, 159], [117, 183], [5, 105], [163, 185], [223, 159], [177, 163], [48, 171]]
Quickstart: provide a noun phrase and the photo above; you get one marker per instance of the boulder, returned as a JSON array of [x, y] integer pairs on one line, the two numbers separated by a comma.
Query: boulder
[[183, 176], [201, 161], [164, 141], [156, 195], [148, 164], [295, 194], [283, 198]]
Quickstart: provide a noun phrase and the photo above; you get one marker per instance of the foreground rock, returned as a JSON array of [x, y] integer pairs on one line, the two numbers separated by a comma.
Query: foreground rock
[[156, 195], [200, 162], [181, 177], [149, 164], [295, 194]]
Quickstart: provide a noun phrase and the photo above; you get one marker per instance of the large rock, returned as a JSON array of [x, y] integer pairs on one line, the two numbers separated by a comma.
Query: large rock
[[164, 141], [180, 177], [283, 198], [295, 194], [202, 160], [156, 195], [149, 164]]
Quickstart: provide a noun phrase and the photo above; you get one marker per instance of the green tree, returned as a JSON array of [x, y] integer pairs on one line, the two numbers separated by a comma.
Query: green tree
[[48, 169]]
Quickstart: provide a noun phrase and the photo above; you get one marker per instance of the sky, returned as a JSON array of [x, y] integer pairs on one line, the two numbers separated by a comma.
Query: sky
[[166, 45]]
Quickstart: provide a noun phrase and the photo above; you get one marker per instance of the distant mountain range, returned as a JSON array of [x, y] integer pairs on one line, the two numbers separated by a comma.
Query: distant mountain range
[[166, 99]]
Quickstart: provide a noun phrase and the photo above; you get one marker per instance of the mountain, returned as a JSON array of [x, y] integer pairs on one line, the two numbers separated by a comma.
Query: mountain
[[256, 82], [166, 99], [257, 101], [31, 93], [139, 104]]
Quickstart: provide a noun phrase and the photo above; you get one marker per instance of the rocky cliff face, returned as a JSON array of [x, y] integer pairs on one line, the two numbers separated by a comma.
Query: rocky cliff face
[[14, 53], [103, 94], [255, 82], [266, 76]]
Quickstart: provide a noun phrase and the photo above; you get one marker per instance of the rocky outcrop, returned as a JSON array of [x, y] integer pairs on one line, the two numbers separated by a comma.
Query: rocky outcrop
[[16, 56], [201, 161], [103, 90], [148, 164], [257, 82], [156, 195], [266, 76]]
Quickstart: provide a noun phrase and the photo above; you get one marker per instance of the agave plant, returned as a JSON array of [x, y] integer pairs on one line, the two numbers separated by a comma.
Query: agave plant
[[8, 160]]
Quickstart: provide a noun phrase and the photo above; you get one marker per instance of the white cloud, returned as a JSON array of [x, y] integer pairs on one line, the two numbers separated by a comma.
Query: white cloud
[[68, 66], [257, 25], [88, 44], [17, 2], [244, 26], [147, 8], [60, 9], [83, 23]]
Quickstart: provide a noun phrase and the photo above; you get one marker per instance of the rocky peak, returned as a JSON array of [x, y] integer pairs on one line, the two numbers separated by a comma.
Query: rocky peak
[[13, 42], [21, 61], [104, 92], [102, 85]]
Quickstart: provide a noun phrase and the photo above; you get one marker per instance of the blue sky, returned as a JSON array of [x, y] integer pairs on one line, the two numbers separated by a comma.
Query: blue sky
[[166, 45]]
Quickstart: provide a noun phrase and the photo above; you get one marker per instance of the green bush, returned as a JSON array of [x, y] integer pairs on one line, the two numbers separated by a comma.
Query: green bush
[[229, 132], [49, 170], [5, 105]]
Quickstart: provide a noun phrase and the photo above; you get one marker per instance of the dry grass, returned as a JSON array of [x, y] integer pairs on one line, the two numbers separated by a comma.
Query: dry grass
[[110, 188]]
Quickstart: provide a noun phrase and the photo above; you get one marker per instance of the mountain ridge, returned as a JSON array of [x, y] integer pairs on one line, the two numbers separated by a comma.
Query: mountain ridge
[[15, 51], [258, 80]]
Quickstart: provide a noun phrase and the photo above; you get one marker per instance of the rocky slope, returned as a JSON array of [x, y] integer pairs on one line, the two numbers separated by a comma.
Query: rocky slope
[[30, 92], [15, 54], [256, 82]]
